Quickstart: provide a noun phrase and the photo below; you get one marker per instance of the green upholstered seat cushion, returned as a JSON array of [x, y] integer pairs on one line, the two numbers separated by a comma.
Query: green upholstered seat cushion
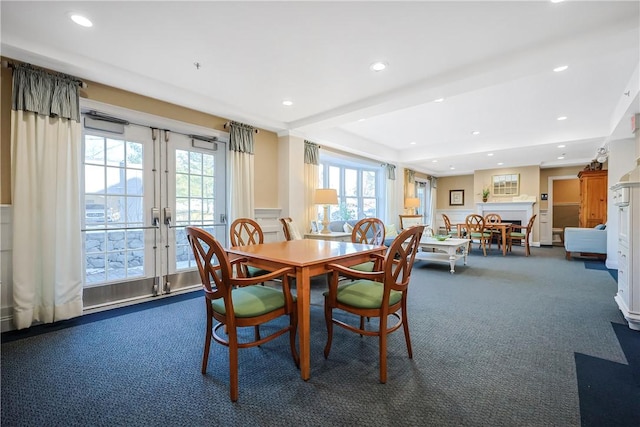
[[518, 235], [365, 294], [255, 272], [252, 301], [485, 234], [365, 266]]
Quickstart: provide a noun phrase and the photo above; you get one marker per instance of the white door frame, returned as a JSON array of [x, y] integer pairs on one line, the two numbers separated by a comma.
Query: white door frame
[[549, 231]]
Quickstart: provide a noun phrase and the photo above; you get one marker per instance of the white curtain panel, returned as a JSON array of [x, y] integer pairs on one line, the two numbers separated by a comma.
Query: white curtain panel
[[47, 246], [432, 208], [391, 206], [311, 176], [241, 185]]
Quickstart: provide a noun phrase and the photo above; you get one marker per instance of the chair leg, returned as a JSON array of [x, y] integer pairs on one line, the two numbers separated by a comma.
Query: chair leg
[[405, 326], [293, 322], [361, 324], [328, 318], [256, 332], [233, 365], [383, 350], [207, 345], [484, 246]]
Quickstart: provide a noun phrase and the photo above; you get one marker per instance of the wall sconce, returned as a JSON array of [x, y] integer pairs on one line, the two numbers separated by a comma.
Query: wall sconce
[[412, 203], [325, 197]]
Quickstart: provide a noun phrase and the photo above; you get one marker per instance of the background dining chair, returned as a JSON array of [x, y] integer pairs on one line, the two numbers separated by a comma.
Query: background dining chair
[[377, 294], [244, 232], [368, 231], [236, 302], [523, 234], [289, 229], [476, 230], [492, 218], [447, 226]]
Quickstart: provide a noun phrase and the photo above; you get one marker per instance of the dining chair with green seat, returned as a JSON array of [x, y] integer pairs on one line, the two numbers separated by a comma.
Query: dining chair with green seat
[[523, 234], [378, 294], [235, 302], [476, 231], [368, 231], [447, 226], [492, 218], [244, 232]]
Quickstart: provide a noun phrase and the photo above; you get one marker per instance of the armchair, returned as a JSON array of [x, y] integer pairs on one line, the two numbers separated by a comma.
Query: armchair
[[585, 240]]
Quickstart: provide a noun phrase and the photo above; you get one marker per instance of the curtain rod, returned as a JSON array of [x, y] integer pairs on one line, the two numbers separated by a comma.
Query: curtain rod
[[227, 124], [9, 64]]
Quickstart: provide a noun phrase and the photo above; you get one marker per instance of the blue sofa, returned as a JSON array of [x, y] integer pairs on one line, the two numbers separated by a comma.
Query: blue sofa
[[585, 240], [339, 227]]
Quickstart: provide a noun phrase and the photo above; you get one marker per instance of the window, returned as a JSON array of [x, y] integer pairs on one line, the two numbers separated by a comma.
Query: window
[[360, 187]]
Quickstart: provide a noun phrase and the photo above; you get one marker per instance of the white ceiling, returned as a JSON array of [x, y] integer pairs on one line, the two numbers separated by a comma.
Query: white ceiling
[[492, 62]]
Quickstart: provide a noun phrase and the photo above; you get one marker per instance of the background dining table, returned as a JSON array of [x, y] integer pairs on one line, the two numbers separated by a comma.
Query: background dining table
[[503, 227]]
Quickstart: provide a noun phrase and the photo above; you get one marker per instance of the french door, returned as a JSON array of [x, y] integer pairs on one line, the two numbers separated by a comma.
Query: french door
[[142, 185]]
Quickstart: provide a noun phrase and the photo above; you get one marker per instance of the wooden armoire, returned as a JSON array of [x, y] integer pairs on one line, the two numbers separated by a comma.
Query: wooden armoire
[[593, 198]]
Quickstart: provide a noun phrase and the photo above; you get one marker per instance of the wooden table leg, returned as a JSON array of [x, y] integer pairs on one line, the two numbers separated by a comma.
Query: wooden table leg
[[303, 285], [504, 241]]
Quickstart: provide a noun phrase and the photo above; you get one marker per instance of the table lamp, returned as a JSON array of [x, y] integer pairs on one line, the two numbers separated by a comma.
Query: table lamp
[[412, 203], [325, 197]]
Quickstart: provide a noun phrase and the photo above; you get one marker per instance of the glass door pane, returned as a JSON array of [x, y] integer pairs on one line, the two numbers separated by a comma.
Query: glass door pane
[[196, 193]]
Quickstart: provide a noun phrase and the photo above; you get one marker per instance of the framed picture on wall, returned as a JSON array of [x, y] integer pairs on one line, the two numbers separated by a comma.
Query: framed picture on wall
[[456, 197]]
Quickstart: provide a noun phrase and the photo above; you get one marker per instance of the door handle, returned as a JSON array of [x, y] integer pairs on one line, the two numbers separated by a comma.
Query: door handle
[[155, 217], [167, 216]]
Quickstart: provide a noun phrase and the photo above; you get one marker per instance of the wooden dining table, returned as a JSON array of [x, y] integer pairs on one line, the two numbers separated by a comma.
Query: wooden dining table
[[504, 228], [309, 257]]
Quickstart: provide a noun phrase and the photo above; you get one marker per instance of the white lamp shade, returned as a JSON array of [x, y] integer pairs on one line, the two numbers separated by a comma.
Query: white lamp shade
[[411, 202], [325, 196]]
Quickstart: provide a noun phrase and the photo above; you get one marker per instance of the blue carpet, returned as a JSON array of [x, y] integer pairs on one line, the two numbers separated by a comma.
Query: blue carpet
[[600, 265], [94, 317]]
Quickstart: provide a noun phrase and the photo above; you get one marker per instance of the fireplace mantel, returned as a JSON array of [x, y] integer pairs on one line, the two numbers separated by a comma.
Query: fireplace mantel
[[513, 210]]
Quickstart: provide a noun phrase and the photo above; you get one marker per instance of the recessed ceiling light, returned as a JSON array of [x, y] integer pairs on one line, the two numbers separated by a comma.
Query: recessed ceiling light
[[560, 68], [489, 154], [557, 1], [560, 157], [438, 100], [81, 20], [378, 66], [475, 132], [287, 103], [361, 120], [562, 118], [412, 143], [434, 161], [451, 167], [561, 146], [500, 163]]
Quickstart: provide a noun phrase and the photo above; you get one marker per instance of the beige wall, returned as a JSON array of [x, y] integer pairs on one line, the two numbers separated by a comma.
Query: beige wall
[[266, 143], [5, 136], [447, 183], [529, 182]]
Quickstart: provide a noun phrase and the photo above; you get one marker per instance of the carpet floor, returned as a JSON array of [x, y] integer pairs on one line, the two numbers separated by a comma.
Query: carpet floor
[[505, 341]]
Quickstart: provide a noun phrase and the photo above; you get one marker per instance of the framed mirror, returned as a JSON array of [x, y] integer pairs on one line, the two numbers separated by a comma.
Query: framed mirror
[[506, 185]]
